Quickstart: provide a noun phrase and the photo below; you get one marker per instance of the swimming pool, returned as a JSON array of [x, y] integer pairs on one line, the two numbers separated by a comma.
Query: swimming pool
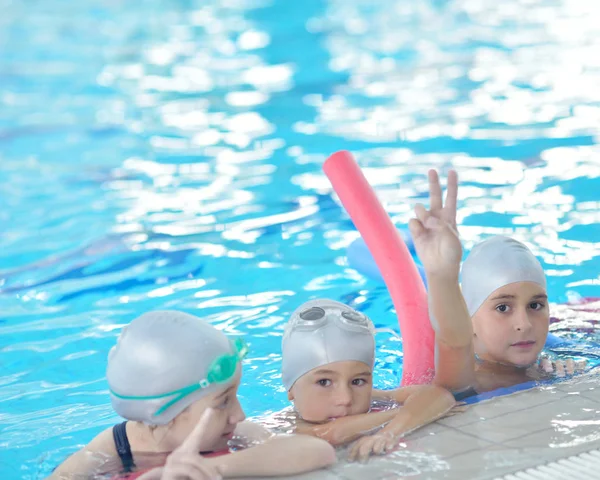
[[168, 154]]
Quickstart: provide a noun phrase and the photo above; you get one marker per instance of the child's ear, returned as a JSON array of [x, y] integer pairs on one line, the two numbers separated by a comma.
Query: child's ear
[[290, 395]]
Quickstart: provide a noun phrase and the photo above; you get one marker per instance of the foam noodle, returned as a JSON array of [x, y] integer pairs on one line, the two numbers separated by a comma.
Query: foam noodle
[[361, 260], [394, 261]]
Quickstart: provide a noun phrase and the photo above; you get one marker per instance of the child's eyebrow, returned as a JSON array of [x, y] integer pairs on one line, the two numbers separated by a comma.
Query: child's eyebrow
[[504, 297], [326, 372], [510, 297], [333, 372]]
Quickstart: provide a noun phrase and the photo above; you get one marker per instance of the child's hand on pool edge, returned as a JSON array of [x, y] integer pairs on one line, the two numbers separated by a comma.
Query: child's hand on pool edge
[[377, 444], [562, 368], [434, 231]]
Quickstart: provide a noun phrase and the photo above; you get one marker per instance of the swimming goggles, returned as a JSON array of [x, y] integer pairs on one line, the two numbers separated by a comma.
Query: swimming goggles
[[220, 370], [315, 317]]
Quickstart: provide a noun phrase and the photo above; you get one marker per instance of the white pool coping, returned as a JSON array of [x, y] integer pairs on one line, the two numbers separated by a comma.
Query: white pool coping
[[493, 439]]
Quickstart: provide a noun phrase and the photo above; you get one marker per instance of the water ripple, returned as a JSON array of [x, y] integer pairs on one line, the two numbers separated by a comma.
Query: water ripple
[[169, 156]]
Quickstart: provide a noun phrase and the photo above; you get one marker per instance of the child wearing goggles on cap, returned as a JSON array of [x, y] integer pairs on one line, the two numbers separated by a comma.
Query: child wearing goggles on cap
[[168, 371], [328, 357], [490, 333]]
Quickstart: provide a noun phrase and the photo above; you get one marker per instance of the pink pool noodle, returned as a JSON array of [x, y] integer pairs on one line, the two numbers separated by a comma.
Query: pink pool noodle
[[394, 261]]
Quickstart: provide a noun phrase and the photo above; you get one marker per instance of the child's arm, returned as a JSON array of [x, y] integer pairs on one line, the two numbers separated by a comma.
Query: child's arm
[[423, 404], [253, 432], [455, 357], [280, 455], [346, 429], [437, 244], [89, 460]]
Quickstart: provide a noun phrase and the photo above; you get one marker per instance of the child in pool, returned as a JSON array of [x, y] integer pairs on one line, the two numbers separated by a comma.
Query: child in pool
[[491, 334], [328, 357], [167, 369]]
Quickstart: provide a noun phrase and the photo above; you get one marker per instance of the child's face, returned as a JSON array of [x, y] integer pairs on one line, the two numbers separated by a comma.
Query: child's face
[[334, 390], [511, 326], [228, 414]]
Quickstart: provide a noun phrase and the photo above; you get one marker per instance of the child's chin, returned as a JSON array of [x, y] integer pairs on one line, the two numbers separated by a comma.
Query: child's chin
[[525, 362]]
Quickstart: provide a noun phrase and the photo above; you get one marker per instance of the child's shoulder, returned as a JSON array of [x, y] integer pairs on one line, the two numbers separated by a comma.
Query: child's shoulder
[[104, 442], [95, 458], [283, 421], [253, 432]]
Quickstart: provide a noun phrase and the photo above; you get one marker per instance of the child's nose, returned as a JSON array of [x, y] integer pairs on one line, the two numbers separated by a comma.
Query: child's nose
[[238, 414], [522, 321], [343, 396]]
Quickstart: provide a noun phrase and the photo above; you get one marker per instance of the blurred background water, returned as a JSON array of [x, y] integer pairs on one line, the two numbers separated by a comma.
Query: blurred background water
[[160, 154]]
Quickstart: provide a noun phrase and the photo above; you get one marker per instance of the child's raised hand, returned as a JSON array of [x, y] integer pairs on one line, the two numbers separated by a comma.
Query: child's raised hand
[[434, 231], [185, 463]]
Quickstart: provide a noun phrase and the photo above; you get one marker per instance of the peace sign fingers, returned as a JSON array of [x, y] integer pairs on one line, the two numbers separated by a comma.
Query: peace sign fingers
[[435, 192], [449, 210]]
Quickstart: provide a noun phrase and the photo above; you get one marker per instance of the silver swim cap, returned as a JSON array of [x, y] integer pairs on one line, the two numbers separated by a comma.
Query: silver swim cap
[[166, 360], [494, 263], [321, 332]]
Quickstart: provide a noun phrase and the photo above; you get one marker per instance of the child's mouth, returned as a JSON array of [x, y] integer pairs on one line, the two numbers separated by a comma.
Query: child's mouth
[[339, 416], [526, 344]]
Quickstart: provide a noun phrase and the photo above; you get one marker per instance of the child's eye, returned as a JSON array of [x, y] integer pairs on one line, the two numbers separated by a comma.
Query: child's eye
[[359, 382], [224, 403], [502, 308], [324, 382], [536, 305]]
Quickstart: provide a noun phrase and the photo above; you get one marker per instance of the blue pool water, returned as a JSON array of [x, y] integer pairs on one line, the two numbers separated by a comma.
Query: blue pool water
[[167, 155]]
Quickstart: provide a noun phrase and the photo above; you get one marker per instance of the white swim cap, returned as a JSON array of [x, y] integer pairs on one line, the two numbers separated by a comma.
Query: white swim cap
[[494, 263], [321, 332], [166, 360]]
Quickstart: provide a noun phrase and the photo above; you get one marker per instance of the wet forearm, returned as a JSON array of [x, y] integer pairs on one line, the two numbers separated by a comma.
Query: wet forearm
[[421, 408], [347, 429], [449, 315], [282, 455], [455, 359]]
